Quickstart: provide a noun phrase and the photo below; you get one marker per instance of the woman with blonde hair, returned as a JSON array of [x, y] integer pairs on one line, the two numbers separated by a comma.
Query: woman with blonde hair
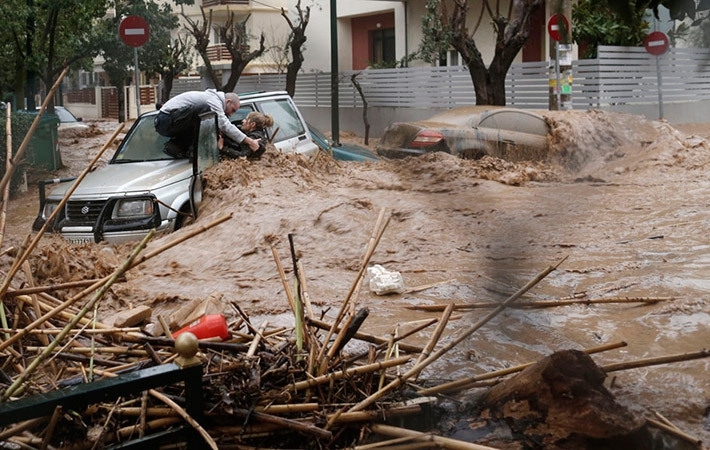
[[254, 126]]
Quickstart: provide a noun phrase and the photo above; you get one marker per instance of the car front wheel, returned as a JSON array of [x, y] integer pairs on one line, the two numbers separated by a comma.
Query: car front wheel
[[185, 217]]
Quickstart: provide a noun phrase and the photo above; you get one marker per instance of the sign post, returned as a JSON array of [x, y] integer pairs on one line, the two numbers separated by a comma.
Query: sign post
[[134, 32], [561, 84], [656, 44]]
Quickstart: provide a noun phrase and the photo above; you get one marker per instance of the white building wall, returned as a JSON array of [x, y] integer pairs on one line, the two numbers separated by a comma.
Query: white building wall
[[318, 45], [265, 16], [408, 24]]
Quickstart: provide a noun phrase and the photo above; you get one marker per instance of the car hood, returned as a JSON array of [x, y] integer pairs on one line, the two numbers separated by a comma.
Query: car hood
[[129, 177]]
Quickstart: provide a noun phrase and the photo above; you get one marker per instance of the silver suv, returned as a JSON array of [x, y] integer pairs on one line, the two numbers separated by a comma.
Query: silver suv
[[143, 188]]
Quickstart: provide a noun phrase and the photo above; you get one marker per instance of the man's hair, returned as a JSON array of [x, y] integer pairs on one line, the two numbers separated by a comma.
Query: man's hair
[[233, 97]]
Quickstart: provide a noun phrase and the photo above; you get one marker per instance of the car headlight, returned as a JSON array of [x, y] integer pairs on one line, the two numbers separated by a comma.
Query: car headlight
[[49, 208], [133, 209]]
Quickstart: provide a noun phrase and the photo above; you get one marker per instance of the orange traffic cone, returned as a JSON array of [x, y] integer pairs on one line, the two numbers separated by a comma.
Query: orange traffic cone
[[213, 325]]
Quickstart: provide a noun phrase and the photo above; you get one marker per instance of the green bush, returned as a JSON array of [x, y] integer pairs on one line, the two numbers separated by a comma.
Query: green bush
[[20, 122]]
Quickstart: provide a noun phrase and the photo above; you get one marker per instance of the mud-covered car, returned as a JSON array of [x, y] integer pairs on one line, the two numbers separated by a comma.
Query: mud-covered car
[[144, 188], [141, 188], [470, 132]]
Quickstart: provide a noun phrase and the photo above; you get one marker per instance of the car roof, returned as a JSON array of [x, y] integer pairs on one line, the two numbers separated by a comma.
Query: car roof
[[248, 96], [474, 114], [261, 94]]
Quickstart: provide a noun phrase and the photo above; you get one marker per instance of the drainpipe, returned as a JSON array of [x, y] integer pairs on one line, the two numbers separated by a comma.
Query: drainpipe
[[406, 33]]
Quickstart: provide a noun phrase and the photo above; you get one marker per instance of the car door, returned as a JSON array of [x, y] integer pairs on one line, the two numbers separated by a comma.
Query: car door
[[206, 156]]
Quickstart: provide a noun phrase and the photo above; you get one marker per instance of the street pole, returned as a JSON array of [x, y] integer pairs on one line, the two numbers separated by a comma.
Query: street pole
[[334, 103], [560, 52], [137, 83]]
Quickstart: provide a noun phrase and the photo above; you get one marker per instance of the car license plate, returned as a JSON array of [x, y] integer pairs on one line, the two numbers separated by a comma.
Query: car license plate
[[80, 240]]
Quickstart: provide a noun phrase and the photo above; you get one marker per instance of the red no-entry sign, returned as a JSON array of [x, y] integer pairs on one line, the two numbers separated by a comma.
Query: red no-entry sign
[[656, 43], [134, 31], [556, 25]]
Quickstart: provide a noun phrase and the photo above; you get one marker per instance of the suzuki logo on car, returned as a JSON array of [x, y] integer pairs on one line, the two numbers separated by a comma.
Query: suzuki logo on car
[[85, 210]]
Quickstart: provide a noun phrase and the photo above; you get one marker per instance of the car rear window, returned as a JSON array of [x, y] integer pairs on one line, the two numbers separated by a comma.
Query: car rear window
[[286, 119], [519, 121], [64, 115]]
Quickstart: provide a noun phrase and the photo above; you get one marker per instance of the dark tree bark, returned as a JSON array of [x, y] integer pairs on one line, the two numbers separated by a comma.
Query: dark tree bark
[[365, 120], [201, 33], [296, 41], [512, 32], [235, 37], [561, 402], [236, 41]]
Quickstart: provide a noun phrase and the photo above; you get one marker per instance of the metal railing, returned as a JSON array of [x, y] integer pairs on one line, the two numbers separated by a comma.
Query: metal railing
[[213, 3], [132, 383]]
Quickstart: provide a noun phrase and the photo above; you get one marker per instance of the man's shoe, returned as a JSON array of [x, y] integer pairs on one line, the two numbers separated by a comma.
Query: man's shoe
[[174, 150]]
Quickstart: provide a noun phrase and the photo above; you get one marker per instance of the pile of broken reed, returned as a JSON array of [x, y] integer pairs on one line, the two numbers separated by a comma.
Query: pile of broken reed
[[297, 387]]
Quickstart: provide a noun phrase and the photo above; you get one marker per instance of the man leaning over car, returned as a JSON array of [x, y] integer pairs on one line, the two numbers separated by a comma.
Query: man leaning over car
[[177, 117]]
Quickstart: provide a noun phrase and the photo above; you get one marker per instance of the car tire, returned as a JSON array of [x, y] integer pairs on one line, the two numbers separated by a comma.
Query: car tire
[[185, 217]]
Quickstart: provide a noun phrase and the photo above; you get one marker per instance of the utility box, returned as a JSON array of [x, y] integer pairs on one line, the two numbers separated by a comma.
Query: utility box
[[43, 149]]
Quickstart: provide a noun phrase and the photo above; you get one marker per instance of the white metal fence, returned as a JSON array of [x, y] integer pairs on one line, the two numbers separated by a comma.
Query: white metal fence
[[621, 78], [629, 75], [620, 75]]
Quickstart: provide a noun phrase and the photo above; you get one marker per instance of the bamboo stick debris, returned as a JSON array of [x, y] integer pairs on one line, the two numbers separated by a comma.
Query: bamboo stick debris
[[543, 303], [465, 383], [447, 443], [645, 362], [673, 430], [261, 388]]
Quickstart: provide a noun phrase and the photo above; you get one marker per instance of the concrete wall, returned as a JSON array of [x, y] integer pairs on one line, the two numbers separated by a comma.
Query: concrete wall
[[351, 118], [85, 111]]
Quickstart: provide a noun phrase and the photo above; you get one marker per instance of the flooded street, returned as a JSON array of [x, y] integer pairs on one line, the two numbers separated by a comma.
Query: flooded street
[[622, 207]]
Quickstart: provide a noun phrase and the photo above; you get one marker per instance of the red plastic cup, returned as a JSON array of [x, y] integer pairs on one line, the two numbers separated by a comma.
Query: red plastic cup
[[212, 325]]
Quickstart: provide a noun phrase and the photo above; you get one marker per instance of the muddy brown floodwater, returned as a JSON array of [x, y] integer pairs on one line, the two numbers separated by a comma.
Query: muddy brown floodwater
[[621, 205]]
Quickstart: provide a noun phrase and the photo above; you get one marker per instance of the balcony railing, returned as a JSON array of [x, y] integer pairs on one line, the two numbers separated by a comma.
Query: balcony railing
[[218, 52], [212, 3]]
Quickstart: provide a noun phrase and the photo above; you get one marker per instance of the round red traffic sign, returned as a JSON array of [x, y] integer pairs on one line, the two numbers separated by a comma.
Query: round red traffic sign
[[134, 31], [556, 25], [656, 43]]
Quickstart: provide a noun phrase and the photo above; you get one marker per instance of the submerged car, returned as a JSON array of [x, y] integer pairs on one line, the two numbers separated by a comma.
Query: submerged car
[[67, 120], [142, 187], [344, 151], [470, 132]]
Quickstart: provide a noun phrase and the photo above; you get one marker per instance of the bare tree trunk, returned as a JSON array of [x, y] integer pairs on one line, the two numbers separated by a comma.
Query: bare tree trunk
[[511, 34], [356, 83], [166, 88], [298, 38]]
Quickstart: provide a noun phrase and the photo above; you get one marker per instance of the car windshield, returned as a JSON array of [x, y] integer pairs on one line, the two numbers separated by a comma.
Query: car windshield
[[142, 143]]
